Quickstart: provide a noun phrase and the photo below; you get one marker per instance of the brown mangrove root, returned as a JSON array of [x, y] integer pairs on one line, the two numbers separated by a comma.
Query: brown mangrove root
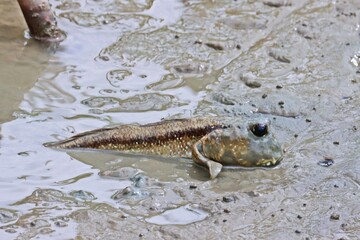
[[41, 20]]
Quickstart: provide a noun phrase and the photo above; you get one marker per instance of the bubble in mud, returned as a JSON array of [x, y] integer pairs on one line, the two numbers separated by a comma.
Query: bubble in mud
[[83, 195], [60, 224], [355, 59], [140, 181], [129, 192], [39, 223], [326, 162]]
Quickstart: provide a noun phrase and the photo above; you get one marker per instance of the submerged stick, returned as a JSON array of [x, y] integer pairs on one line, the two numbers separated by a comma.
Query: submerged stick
[[41, 20]]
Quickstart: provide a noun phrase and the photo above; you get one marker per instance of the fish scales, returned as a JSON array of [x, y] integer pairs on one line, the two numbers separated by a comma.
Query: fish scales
[[210, 142], [167, 138]]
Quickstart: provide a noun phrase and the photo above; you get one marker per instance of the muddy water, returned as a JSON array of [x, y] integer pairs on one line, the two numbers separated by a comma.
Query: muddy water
[[295, 62]]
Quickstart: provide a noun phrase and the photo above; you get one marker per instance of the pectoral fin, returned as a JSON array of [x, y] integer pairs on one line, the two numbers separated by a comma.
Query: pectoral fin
[[214, 167]]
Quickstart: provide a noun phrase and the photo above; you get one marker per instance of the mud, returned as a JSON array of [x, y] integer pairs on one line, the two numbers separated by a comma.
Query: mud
[[294, 62]]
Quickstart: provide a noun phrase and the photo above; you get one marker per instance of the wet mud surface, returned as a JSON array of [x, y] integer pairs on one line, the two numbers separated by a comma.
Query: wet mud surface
[[294, 62]]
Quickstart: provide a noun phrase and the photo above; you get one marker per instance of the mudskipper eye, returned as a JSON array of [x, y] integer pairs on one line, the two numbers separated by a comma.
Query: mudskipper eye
[[259, 129]]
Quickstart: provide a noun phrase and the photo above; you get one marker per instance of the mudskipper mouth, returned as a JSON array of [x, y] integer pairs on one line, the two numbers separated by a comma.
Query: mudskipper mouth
[[268, 162]]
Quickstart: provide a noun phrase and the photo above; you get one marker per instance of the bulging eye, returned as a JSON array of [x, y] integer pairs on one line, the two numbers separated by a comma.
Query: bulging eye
[[259, 129]]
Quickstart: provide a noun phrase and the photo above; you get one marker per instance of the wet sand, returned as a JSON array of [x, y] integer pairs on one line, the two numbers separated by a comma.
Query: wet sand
[[294, 62]]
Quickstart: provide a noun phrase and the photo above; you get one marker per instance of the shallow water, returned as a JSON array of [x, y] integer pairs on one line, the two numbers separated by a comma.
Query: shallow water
[[295, 62]]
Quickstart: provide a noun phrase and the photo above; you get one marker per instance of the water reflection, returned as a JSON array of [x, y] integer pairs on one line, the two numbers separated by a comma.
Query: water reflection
[[141, 61]]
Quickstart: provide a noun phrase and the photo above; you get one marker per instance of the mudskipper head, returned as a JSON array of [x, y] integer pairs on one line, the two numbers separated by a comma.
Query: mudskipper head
[[250, 144]]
